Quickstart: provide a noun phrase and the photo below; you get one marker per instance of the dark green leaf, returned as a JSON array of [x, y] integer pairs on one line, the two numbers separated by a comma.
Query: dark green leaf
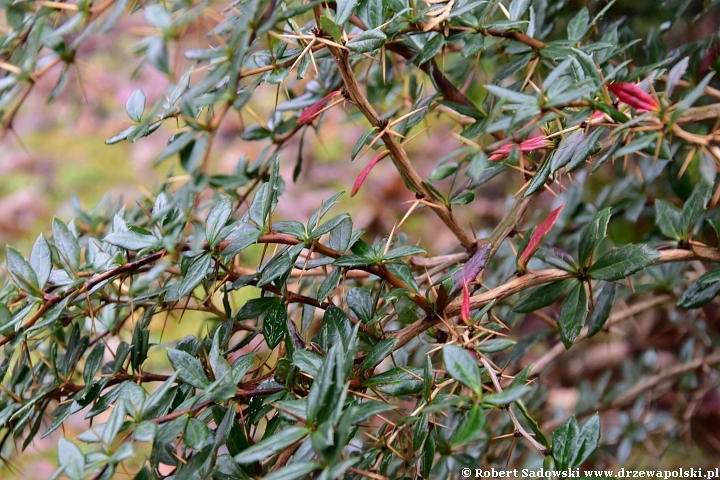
[[367, 41], [274, 323], [592, 234], [378, 353], [189, 368], [267, 447], [461, 366], [667, 217], [397, 381], [573, 311], [67, 246], [603, 305], [694, 207], [622, 262], [543, 296], [565, 443]]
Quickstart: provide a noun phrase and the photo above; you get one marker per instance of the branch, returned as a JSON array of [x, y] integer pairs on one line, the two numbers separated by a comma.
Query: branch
[[518, 427], [542, 363], [531, 279], [397, 153]]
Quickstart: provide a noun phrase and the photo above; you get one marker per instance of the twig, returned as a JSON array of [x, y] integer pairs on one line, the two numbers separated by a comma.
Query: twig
[[518, 427]]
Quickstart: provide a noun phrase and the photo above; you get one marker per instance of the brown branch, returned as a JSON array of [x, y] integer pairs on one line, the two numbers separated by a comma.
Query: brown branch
[[518, 427], [541, 364], [397, 153], [531, 279], [649, 383]]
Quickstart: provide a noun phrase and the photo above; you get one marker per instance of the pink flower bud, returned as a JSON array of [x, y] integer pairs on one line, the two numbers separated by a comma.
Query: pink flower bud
[[309, 114], [529, 145], [634, 96], [363, 175], [538, 235]]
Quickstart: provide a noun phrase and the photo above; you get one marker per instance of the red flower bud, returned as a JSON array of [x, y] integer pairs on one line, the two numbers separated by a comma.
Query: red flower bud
[[634, 96], [529, 145], [538, 235], [309, 114], [363, 175]]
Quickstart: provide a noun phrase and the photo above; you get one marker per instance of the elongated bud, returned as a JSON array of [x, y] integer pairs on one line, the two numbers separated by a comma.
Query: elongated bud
[[465, 312], [538, 235], [363, 175], [634, 96], [309, 114], [529, 145]]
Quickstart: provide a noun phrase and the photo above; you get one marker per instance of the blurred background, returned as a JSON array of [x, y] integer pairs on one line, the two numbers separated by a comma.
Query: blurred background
[[56, 156]]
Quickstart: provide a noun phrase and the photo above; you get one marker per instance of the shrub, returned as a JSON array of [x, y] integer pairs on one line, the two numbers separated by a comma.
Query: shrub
[[346, 354]]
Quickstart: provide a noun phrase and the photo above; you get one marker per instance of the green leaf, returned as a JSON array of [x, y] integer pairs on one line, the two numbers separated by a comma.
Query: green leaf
[[692, 97], [592, 234], [336, 329], [578, 26], [543, 296], [461, 366], [241, 238], [431, 48], [329, 284], [269, 446], [701, 292], [280, 264], [694, 207], [216, 220], [196, 273], [255, 307], [366, 410], [329, 225], [274, 323], [403, 251], [5, 320], [566, 149], [397, 381], [518, 8], [41, 260], [131, 240], [293, 471], [378, 353], [587, 441], [667, 217], [332, 28], [622, 262], [540, 178], [21, 272], [135, 105], [471, 429], [603, 306], [197, 434], [307, 362], [67, 246], [145, 431], [354, 261], [539, 435], [507, 396], [189, 368], [345, 10], [323, 387], [565, 443], [71, 459], [443, 171], [367, 41], [572, 314], [495, 345]]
